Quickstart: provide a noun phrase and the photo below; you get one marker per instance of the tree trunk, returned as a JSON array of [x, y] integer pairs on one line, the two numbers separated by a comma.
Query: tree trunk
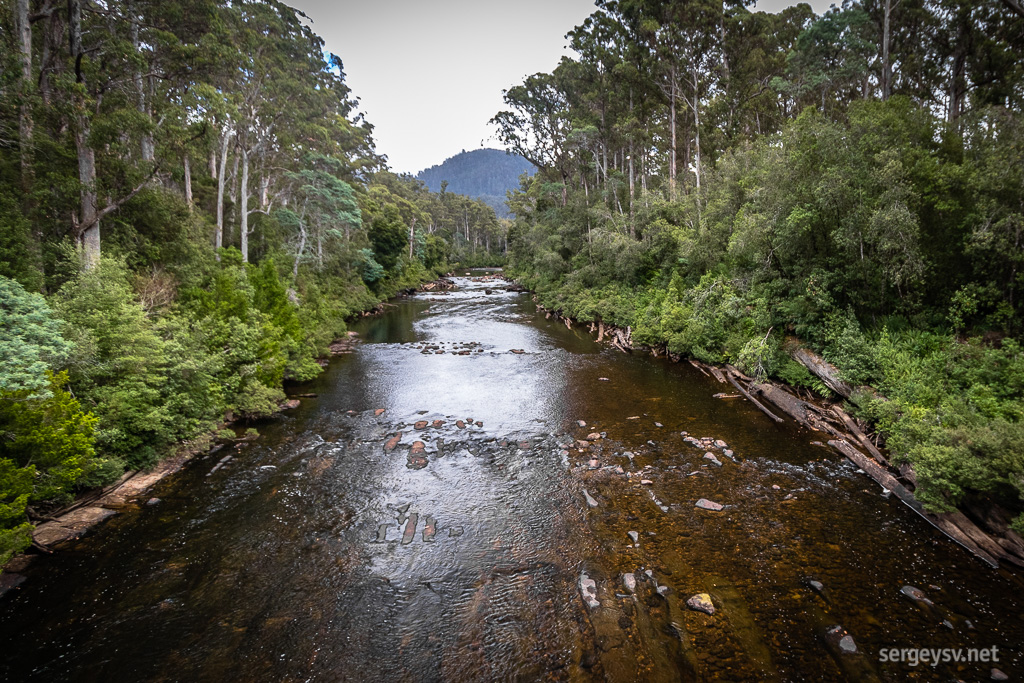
[[672, 128], [696, 127], [243, 207], [233, 196], [23, 32], [89, 233], [302, 247], [886, 68], [412, 237], [632, 178], [188, 183], [88, 214], [147, 146], [221, 182]]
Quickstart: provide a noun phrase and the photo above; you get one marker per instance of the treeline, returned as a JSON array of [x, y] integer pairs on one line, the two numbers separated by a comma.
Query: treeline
[[191, 206], [729, 184]]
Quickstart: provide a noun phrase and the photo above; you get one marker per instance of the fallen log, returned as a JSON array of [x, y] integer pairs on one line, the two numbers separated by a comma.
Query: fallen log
[[823, 370], [955, 525], [737, 373], [699, 367], [861, 437], [717, 373], [753, 400], [623, 341], [806, 414]]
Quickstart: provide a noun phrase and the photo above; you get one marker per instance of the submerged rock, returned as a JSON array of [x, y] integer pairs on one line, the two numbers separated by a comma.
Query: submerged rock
[[701, 602], [422, 424], [705, 504], [588, 589], [410, 529], [590, 499], [842, 641], [915, 594], [634, 535], [594, 436]]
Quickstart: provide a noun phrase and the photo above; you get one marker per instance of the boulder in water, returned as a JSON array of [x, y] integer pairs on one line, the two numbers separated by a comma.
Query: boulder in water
[[701, 602]]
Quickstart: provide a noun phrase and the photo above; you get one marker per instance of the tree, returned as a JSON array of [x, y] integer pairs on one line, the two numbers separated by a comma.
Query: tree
[[30, 340]]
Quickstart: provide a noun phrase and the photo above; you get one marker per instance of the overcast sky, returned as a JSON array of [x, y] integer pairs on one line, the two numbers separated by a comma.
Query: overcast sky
[[429, 73]]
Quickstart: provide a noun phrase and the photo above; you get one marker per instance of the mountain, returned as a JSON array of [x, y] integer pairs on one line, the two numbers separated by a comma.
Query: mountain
[[485, 174]]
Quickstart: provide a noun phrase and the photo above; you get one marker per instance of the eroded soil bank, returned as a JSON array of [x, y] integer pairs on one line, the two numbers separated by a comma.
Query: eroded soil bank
[[434, 514]]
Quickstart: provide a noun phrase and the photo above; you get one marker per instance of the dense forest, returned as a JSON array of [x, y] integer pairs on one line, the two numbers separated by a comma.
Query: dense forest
[[191, 206], [729, 185], [484, 174]]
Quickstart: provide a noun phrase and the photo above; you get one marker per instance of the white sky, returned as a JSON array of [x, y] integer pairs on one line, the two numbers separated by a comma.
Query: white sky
[[429, 73]]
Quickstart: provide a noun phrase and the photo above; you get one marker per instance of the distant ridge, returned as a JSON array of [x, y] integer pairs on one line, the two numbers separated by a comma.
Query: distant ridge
[[485, 174]]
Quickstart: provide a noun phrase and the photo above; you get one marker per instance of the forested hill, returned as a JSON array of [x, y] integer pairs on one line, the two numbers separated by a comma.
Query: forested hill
[[485, 174]]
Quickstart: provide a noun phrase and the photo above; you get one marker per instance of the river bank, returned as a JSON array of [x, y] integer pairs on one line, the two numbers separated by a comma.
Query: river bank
[[983, 530], [54, 527]]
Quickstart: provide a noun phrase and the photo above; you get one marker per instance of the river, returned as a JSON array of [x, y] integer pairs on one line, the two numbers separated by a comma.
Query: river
[[499, 549]]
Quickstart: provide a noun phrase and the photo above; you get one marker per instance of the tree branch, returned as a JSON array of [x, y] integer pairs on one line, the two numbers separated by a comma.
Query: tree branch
[[1015, 6], [80, 228]]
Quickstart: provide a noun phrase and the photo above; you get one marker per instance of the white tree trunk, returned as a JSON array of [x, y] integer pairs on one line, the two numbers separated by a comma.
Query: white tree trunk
[[244, 207], [188, 182], [221, 182], [23, 30], [89, 239]]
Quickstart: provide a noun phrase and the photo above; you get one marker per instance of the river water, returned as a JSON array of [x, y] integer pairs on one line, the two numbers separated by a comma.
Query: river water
[[499, 549]]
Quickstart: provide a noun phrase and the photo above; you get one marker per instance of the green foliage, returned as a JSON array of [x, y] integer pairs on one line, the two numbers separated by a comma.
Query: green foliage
[[120, 367], [51, 435], [954, 410], [371, 270], [389, 238], [15, 489], [30, 340]]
